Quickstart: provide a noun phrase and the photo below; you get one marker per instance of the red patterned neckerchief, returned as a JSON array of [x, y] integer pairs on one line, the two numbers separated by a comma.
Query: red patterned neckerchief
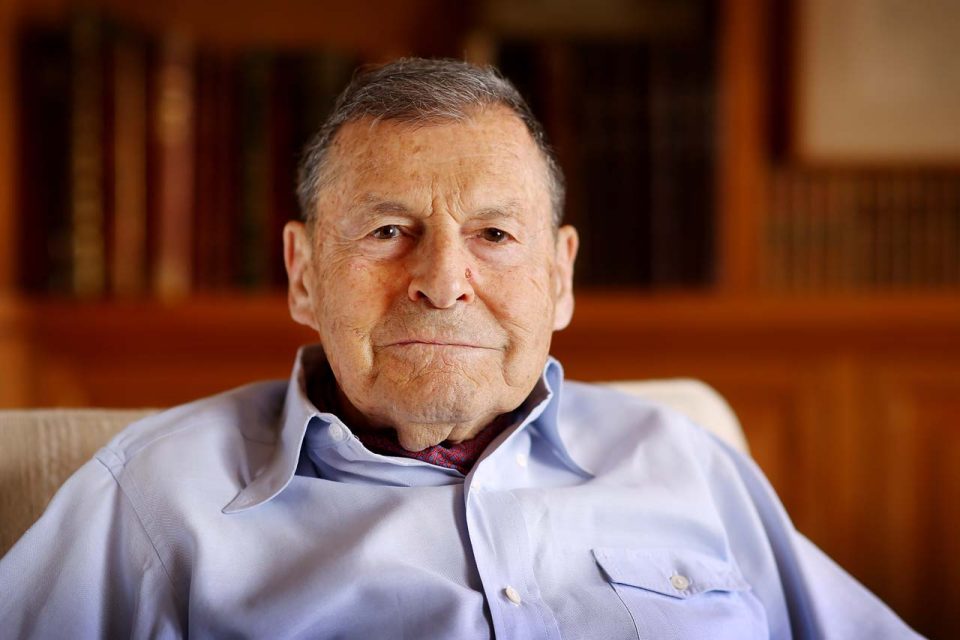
[[461, 456]]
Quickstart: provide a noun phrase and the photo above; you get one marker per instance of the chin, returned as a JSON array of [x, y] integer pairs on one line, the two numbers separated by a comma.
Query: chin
[[440, 397]]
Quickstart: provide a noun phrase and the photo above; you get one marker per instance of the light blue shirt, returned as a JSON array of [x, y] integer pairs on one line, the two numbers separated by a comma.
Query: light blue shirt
[[252, 514]]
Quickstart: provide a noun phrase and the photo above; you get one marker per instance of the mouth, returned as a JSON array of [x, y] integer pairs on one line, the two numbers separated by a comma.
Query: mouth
[[437, 344]]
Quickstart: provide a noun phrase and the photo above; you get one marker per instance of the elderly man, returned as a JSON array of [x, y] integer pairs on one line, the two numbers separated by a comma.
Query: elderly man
[[426, 472]]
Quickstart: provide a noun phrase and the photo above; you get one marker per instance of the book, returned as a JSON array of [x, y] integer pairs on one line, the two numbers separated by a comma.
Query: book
[[254, 168], [128, 266], [173, 130], [216, 150], [87, 208], [44, 86]]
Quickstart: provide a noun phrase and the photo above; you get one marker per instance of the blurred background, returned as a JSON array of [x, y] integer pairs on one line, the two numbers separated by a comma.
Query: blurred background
[[768, 196]]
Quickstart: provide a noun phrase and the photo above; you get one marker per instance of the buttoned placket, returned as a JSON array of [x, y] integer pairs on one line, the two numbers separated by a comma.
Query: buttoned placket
[[500, 543]]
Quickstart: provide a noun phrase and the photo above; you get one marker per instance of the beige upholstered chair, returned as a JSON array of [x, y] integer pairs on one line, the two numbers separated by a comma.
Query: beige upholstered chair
[[39, 449]]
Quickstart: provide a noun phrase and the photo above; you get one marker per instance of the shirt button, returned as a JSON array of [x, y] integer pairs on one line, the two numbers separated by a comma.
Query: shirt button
[[679, 582], [521, 461], [512, 595], [338, 433]]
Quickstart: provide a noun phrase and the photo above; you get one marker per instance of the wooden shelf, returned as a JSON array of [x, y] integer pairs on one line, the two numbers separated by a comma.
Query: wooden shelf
[[209, 343], [781, 322]]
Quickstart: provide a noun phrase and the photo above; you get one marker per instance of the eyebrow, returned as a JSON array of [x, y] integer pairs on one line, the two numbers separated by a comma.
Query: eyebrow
[[389, 206], [506, 210], [375, 204], [372, 205]]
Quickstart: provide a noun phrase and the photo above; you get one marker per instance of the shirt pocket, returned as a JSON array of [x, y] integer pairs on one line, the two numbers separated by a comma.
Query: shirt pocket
[[682, 593]]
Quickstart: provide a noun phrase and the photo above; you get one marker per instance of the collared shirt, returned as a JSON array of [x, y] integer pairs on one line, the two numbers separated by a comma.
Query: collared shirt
[[253, 514]]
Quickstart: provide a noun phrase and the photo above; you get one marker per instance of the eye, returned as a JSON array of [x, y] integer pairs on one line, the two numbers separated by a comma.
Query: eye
[[494, 235], [386, 232]]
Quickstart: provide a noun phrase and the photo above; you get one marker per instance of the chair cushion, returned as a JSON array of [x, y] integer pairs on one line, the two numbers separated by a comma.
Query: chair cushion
[[39, 450]]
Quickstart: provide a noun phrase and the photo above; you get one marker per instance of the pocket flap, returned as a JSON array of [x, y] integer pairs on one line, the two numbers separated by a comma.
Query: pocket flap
[[678, 573]]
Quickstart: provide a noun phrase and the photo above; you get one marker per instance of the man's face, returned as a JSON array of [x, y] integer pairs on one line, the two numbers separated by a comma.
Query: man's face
[[433, 274]]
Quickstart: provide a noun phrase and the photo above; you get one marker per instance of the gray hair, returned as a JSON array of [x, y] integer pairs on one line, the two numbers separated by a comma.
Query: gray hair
[[421, 91]]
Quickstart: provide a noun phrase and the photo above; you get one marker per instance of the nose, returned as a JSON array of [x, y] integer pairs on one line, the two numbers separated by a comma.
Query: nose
[[440, 273]]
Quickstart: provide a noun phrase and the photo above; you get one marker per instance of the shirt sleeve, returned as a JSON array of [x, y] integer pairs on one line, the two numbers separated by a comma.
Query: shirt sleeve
[[87, 569], [822, 600]]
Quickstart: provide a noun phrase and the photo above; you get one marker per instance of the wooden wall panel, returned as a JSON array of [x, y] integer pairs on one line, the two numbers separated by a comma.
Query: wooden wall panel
[[14, 360], [149, 355], [913, 517]]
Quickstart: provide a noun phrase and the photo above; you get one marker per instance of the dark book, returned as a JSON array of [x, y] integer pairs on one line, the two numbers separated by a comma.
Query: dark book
[[87, 155], [216, 149], [254, 169], [43, 200], [682, 95], [304, 87], [287, 80], [612, 118]]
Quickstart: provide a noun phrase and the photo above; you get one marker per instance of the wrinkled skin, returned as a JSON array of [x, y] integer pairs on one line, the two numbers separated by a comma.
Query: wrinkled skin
[[432, 273]]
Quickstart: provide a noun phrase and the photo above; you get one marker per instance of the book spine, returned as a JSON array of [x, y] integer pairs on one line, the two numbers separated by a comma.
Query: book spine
[[286, 82], [174, 145], [206, 158], [254, 192], [87, 157], [217, 148], [128, 264], [44, 83]]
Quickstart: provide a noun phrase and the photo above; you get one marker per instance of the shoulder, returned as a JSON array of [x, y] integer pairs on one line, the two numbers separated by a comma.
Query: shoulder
[[601, 424], [248, 413], [607, 416]]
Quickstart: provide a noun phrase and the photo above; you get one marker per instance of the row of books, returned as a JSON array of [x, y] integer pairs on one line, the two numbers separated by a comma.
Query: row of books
[[843, 230], [152, 165]]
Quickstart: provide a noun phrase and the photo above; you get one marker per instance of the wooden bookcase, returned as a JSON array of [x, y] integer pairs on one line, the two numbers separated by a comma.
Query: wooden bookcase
[[851, 403]]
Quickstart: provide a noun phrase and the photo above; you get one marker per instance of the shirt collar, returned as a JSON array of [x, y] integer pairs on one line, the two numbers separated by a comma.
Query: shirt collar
[[299, 412], [548, 422]]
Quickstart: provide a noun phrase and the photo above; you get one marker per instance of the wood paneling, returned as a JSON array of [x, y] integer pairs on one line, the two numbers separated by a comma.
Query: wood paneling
[[14, 364], [913, 516], [151, 355]]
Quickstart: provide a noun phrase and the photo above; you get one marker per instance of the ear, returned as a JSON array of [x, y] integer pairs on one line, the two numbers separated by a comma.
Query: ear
[[565, 253], [298, 256]]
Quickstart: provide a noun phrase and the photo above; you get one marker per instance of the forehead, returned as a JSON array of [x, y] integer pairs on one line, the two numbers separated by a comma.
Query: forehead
[[490, 150]]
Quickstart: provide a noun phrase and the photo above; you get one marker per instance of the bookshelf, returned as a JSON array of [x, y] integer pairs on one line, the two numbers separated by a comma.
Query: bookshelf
[[693, 193], [848, 392]]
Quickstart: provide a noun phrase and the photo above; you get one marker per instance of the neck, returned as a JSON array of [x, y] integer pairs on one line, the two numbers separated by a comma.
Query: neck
[[326, 395], [413, 436]]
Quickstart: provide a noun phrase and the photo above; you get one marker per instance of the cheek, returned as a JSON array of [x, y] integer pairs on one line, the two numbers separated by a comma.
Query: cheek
[[522, 302], [355, 297]]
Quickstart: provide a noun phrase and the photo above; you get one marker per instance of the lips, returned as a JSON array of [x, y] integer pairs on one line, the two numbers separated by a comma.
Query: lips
[[436, 343]]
